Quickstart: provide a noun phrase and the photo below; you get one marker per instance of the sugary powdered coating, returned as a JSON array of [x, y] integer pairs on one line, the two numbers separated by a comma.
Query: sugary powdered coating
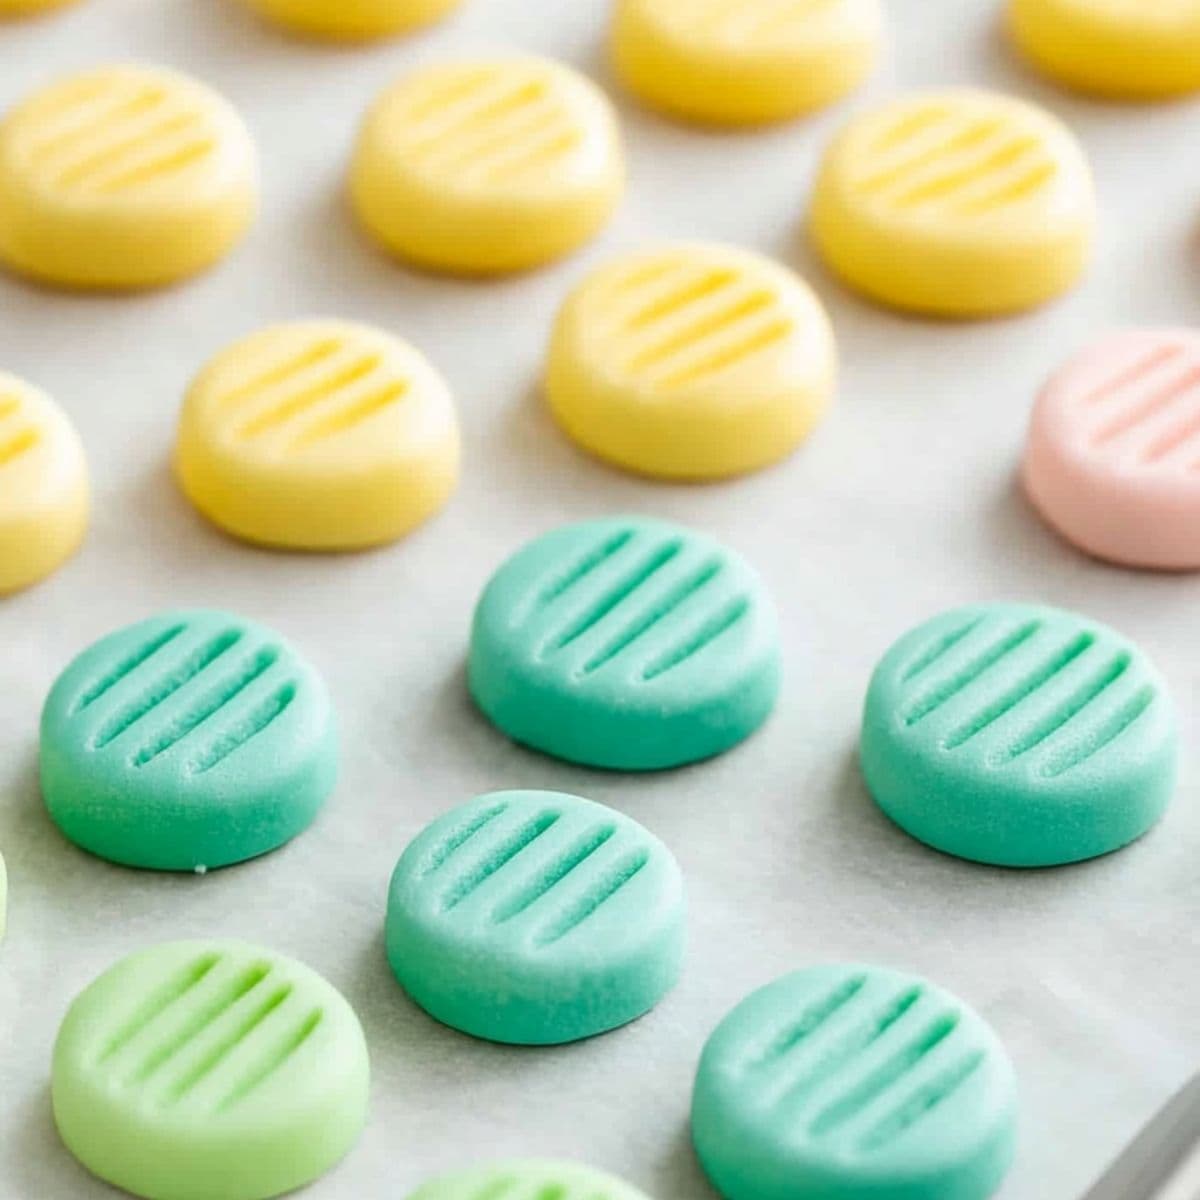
[[1018, 735], [536, 918], [191, 740], [625, 643], [842, 1082]]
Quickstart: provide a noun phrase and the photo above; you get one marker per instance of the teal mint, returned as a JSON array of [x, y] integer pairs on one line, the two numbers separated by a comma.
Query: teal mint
[[625, 643], [850, 1082], [191, 740], [1019, 736], [535, 918]]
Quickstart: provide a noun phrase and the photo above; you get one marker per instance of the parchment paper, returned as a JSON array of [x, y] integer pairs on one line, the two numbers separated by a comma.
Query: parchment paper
[[901, 504]]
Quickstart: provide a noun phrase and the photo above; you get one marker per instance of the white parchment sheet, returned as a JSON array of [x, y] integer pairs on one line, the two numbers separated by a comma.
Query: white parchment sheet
[[901, 504]]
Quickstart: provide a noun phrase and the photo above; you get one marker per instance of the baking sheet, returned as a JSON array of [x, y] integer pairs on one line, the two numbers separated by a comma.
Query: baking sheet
[[901, 504]]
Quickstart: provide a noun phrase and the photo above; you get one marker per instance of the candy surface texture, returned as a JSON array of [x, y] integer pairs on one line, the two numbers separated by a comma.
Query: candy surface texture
[[123, 177], [535, 918], [353, 19], [191, 740], [527, 1177], [488, 166], [1113, 455], [209, 1070], [734, 62], [957, 203], [844, 1082], [1021, 736], [691, 361], [625, 643], [43, 485], [1117, 48], [318, 435]]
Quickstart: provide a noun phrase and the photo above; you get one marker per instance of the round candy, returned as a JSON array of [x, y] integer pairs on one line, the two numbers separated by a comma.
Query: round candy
[[1021, 736], [198, 1070], [43, 486], [691, 361], [744, 61], [488, 166], [353, 19], [1113, 47], [535, 918], [1113, 456], [527, 1177], [191, 740], [845, 1082], [957, 203], [318, 435], [123, 177], [625, 643]]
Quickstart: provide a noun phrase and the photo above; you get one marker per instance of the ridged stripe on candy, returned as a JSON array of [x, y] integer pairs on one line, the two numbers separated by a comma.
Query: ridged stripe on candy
[[489, 127], [645, 622], [351, 415], [663, 626], [257, 721], [1150, 409], [86, 111], [861, 1058], [216, 1027], [1132, 373], [588, 562], [209, 705], [289, 365], [499, 856], [17, 435], [576, 855], [194, 663], [582, 869], [1083, 693], [674, 324], [212, 724], [633, 578], [1010, 698], [970, 165], [313, 394], [525, 135], [275, 1058], [17, 445], [600, 893], [125, 666], [460, 837], [995, 651], [120, 145]]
